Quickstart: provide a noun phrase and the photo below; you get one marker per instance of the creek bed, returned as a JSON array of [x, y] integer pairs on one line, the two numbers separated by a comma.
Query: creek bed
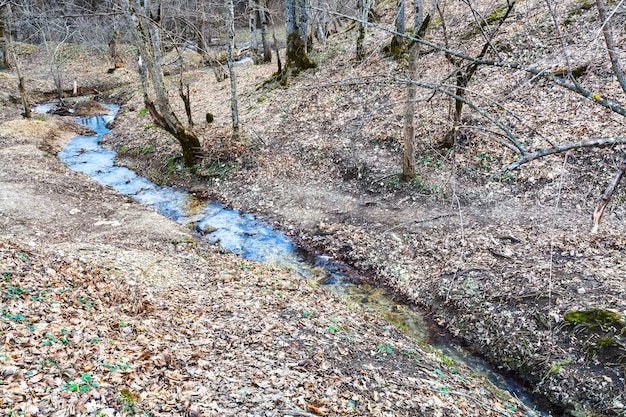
[[247, 236]]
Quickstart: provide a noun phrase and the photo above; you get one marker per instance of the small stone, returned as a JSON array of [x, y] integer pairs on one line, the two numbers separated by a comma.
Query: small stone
[[581, 291]]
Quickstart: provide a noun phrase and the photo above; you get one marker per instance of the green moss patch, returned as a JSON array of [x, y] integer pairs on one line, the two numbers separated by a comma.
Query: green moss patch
[[595, 318]]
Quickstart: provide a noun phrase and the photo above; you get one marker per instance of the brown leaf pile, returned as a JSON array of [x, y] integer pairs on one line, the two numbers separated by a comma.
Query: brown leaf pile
[[252, 341]]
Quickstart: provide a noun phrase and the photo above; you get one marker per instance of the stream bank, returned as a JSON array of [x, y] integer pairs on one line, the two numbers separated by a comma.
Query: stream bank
[[498, 272], [133, 316], [252, 239]]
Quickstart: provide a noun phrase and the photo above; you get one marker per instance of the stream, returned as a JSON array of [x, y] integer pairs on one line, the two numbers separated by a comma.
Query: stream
[[251, 238]]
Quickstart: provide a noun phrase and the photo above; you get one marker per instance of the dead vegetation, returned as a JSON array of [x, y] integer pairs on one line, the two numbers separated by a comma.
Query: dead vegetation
[[501, 264]]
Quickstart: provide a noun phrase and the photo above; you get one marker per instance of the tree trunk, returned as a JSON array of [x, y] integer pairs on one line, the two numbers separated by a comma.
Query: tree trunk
[[363, 12], [267, 51], [278, 61], [117, 59], [321, 27], [7, 15], [408, 159], [5, 63], [230, 11], [297, 58], [254, 44], [146, 40], [303, 22], [290, 17], [398, 41]]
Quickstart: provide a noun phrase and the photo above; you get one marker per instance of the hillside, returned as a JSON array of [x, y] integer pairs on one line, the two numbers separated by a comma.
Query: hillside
[[507, 265]]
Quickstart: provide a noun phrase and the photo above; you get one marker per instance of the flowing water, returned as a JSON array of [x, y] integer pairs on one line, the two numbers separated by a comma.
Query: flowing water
[[253, 239]]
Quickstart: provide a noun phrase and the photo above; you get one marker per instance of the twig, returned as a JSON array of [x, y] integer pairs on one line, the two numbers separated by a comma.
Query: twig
[[384, 178], [423, 220], [606, 197]]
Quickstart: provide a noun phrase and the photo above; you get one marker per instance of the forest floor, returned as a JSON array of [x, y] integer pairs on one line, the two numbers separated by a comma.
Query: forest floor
[[109, 309], [507, 265]]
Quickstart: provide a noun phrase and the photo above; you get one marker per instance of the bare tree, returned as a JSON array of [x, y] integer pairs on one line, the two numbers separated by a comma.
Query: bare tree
[[6, 16], [140, 22], [230, 21], [363, 9], [420, 26], [267, 51]]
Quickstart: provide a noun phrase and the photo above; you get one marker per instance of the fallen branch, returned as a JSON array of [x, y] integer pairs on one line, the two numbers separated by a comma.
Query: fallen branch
[[558, 149], [424, 220], [606, 197]]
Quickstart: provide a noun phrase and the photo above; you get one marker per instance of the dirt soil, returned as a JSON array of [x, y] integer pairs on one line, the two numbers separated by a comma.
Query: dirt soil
[[110, 309], [507, 265]]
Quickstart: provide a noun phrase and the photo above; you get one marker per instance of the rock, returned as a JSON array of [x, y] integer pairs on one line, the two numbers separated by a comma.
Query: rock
[[205, 229], [89, 108]]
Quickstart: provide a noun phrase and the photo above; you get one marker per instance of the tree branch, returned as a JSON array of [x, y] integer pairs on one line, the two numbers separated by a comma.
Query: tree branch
[[558, 149], [573, 86], [606, 197], [607, 30]]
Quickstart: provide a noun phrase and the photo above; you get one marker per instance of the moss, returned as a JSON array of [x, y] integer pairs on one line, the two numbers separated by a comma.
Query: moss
[[606, 342], [595, 318], [576, 72], [581, 6], [395, 49], [498, 14], [297, 61], [296, 54]]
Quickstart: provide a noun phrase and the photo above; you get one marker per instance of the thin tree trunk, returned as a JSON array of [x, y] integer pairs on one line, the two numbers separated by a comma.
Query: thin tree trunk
[[408, 160], [363, 11], [254, 44], [117, 59], [607, 30], [267, 51], [608, 193], [8, 15], [398, 40], [321, 27], [278, 61], [233, 82], [420, 26], [4, 45], [303, 22], [186, 97]]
